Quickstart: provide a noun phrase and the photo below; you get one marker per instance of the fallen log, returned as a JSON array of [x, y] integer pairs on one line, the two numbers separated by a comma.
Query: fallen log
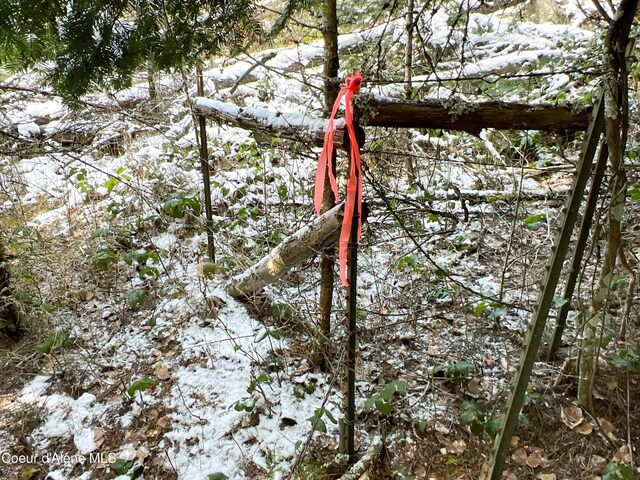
[[322, 233], [291, 125], [388, 112], [473, 117]]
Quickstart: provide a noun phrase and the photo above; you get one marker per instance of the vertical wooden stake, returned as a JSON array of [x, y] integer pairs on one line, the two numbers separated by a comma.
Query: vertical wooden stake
[[352, 274], [204, 166], [341, 138]]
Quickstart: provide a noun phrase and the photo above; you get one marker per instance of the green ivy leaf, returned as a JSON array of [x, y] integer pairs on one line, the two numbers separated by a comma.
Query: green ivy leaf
[[121, 467], [104, 258], [493, 427], [217, 476], [399, 386], [383, 406], [532, 222], [136, 297], [141, 385]]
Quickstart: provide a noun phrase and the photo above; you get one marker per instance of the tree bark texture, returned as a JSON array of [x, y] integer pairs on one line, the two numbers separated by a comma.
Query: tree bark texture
[[328, 258], [616, 117], [9, 319], [472, 117], [388, 112], [408, 51], [306, 242]]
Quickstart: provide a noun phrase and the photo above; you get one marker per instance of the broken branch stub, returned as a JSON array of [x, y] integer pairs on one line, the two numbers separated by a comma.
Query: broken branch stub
[[306, 242]]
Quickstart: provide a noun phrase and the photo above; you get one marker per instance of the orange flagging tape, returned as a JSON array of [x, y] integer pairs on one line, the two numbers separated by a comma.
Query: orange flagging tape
[[351, 86]]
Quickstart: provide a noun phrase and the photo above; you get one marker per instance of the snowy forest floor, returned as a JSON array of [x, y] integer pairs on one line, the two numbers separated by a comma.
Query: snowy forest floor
[[135, 363]]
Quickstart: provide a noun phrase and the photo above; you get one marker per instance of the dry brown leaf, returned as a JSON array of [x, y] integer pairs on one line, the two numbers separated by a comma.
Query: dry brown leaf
[[585, 428], [510, 476], [546, 476], [98, 437], [607, 428], [515, 440], [571, 416], [623, 455], [519, 456], [611, 383], [433, 351], [474, 388], [535, 458], [164, 422], [420, 472], [596, 461], [142, 453], [457, 447], [161, 372]]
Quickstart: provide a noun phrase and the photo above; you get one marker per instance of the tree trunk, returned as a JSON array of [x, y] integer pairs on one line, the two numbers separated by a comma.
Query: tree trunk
[[321, 234], [616, 128], [9, 319], [408, 87], [151, 81], [327, 261], [408, 51]]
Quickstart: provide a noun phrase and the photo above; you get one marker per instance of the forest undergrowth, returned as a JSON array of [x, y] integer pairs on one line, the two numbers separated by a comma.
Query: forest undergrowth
[[131, 347]]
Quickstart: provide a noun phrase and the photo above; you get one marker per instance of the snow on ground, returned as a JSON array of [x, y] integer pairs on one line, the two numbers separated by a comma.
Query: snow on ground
[[217, 404]]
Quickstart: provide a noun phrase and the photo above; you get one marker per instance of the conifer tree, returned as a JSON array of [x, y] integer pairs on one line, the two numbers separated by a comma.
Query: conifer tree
[[104, 42]]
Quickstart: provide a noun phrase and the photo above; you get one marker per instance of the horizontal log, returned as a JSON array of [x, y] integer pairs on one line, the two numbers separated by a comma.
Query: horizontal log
[[292, 125], [389, 112], [473, 117], [323, 232]]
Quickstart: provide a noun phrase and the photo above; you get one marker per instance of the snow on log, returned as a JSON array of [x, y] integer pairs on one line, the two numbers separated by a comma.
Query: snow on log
[[473, 117], [389, 112], [292, 125], [322, 233]]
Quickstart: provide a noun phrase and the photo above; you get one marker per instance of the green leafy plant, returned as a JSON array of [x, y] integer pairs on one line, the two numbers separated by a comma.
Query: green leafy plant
[[301, 391], [633, 192], [496, 309], [532, 222], [136, 297], [217, 476], [247, 404], [58, 340], [628, 358], [141, 385], [382, 401], [318, 423], [140, 260], [104, 258], [476, 417], [400, 471], [282, 311], [618, 471], [121, 467], [459, 369], [178, 205]]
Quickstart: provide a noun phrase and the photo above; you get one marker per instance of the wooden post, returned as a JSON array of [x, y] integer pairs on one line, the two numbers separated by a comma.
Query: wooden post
[[204, 166], [341, 137]]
